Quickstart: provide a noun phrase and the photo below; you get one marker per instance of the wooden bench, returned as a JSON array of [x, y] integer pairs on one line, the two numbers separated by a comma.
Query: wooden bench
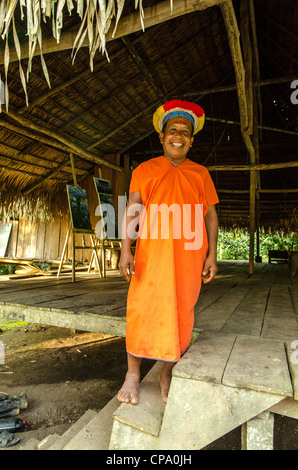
[[278, 255]]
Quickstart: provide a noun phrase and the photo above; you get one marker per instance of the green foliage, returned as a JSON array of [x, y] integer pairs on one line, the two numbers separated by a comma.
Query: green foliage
[[234, 244], [7, 268]]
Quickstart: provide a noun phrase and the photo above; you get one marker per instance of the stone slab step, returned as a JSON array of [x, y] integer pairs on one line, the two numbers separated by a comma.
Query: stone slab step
[[147, 415], [95, 435], [61, 441], [137, 427], [47, 442], [31, 444], [206, 359], [259, 364], [198, 412], [240, 361]]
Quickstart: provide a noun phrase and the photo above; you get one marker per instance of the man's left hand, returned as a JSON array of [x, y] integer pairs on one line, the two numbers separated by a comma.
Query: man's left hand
[[209, 269]]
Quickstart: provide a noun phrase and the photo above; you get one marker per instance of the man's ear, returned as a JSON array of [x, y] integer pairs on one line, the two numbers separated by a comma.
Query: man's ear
[[191, 141], [161, 136]]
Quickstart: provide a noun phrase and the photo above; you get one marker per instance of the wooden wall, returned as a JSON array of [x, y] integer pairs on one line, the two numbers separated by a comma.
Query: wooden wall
[[45, 240]]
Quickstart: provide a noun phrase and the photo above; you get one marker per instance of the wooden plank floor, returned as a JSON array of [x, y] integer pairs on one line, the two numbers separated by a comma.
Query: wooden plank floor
[[90, 304], [263, 305]]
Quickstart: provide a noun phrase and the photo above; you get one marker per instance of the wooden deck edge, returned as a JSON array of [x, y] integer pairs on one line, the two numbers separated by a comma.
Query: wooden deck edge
[[65, 319]]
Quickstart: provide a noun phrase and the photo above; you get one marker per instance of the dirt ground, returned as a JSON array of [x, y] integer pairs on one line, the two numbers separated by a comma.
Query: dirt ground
[[65, 373]]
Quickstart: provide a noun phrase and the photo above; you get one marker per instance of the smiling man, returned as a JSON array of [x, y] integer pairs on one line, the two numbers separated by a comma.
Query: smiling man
[[167, 271]]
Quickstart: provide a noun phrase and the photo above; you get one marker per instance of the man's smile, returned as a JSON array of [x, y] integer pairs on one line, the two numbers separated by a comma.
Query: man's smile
[[177, 144]]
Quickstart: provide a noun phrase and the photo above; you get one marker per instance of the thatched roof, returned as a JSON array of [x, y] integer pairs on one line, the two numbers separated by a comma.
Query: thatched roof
[[109, 110]]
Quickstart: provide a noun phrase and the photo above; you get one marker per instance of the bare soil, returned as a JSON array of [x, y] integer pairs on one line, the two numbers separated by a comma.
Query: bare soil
[[65, 373]]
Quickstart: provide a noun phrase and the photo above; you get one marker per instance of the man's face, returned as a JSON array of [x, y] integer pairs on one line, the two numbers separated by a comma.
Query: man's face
[[177, 139]]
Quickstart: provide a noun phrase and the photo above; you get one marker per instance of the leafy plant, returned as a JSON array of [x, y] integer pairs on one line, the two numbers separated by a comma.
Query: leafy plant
[[234, 244]]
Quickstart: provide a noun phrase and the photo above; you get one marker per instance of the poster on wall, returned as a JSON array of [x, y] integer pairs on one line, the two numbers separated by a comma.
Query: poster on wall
[[79, 210]]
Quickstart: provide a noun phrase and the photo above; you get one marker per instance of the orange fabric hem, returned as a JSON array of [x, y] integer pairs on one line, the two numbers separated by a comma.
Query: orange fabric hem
[[154, 358]]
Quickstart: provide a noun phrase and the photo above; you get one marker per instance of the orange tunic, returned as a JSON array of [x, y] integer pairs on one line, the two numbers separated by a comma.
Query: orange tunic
[[168, 262]]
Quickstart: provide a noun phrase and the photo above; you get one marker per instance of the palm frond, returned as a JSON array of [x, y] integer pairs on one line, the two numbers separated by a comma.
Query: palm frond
[[96, 19]]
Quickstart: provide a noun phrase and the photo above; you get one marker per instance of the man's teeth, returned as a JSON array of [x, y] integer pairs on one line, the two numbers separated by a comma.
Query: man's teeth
[[175, 144]]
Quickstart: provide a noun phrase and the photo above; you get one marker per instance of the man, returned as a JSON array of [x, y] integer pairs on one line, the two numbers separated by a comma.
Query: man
[[176, 245]]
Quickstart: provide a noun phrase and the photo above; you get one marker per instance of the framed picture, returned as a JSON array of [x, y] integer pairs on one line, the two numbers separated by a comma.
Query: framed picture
[[107, 226], [79, 210]]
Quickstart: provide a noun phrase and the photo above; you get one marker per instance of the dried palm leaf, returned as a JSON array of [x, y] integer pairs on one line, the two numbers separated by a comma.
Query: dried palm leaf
[[96, 17], [18, 50]]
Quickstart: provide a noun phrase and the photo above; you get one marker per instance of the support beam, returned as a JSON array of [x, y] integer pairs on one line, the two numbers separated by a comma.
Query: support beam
[[245, 101], [266, 128], [225, 88], [71, 146], [262, 191], [47, 177], [260, 166], [236, 53]]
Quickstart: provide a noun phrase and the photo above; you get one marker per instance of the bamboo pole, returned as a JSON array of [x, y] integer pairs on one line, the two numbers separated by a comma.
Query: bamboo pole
[[256, 84], [259, 166], [261, 191], [267, 128], [248, 61]]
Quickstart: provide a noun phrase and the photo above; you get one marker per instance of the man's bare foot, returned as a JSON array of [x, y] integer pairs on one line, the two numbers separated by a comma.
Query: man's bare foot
[[129, 392], [165, 382]]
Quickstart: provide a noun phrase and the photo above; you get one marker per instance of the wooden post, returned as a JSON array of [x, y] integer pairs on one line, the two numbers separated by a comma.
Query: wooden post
[[73, 256], [126, 172], [244, 83], [64, 249], [252, 218]]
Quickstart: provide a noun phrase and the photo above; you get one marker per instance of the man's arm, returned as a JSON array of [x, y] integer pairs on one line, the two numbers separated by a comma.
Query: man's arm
[[126, 262], [210, 265]]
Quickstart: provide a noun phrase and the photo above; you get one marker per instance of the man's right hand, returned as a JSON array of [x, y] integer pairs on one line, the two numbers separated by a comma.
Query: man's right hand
[[126, 265]]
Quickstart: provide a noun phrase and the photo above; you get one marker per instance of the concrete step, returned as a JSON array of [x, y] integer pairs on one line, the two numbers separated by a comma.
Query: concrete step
[[96, 434], [147, 415], [138, 426], [47, 442], [61, 441], [198, 412], [200, 408], [31, 444]]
